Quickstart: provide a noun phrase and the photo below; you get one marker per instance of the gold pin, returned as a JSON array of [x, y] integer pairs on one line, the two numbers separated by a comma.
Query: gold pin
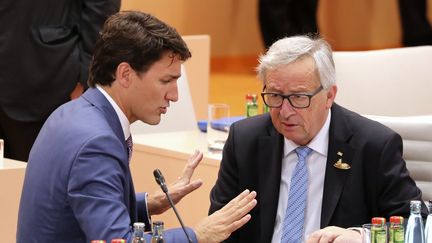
[[341, 165]]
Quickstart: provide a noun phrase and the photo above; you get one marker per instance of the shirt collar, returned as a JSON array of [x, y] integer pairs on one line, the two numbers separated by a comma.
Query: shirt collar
[[318, 144], [122, 117]]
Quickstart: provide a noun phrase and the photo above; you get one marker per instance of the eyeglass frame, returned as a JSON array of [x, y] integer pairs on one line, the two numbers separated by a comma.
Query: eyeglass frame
[[309, 95]]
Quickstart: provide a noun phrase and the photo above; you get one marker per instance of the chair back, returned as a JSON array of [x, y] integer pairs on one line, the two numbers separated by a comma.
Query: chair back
[[388, 82], [394, 87], [416, 132]]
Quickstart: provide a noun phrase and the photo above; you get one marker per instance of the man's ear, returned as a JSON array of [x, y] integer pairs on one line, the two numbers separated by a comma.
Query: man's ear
[[124, 74], [331, 95]]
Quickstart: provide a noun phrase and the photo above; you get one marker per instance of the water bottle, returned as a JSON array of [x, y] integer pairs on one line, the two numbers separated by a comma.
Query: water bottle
[[428, 228], [414, 230], [138, 234], [158, 228]]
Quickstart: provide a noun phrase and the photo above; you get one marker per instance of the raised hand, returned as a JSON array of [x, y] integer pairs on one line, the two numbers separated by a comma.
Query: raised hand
[[219, 226], [157, 202]]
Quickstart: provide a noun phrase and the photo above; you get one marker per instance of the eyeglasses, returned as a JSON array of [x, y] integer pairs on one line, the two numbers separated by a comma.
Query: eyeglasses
[[300, 100]]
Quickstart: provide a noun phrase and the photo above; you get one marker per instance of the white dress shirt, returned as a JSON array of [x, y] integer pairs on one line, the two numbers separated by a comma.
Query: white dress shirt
[[121, 116], [316, 163], [125, 126]]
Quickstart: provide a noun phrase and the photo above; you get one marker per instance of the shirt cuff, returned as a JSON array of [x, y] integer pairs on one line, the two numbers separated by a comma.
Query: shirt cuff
[[357, 229], [142, 209]]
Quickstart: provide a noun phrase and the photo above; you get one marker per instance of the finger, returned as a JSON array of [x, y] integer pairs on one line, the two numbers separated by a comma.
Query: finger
[[240, 201], [235, 200], [178, 193], [190, 166], [239, 223], [327, 237], [195, 158], [186, 189], [313, 238], [244, 194], [240, 217], [239, 210]]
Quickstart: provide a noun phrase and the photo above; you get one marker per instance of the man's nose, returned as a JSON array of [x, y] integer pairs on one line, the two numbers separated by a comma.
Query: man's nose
[[286, 109], [172, 94]]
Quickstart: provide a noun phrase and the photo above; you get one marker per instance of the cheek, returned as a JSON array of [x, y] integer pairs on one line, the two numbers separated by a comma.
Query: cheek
[[274, 114], [151, 94]]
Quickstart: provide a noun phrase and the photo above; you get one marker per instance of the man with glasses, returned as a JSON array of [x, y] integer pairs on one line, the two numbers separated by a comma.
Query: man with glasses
[[312, 162]]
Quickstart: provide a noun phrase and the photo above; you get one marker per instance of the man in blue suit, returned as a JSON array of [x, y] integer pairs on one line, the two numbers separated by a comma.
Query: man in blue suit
[[78, 185]]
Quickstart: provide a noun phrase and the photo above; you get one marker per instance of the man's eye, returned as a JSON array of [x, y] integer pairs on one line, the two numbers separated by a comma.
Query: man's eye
[[299, 97]]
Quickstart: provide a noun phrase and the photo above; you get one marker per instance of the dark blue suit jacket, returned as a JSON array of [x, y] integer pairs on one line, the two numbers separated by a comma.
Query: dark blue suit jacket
[[78, 185]]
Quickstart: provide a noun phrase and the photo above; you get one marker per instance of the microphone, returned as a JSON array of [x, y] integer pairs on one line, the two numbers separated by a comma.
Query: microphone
[[160, 180]]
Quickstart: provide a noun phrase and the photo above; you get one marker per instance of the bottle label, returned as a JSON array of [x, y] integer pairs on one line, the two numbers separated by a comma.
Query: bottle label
[[379, 236], [397, 235], [252, 110]]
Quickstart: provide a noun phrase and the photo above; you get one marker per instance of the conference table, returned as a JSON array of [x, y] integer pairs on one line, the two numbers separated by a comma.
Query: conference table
[[11, 181], [169, 153]]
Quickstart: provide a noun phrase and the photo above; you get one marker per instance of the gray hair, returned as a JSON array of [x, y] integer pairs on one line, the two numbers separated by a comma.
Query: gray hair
[[291, 49]]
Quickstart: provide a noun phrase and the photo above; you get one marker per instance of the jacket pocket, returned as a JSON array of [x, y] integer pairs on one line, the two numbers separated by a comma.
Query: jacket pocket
[[56, 34]]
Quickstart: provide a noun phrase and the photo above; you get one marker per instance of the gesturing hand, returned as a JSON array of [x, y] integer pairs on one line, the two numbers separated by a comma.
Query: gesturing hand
[[335, 235], [219, 226], [157, 202]]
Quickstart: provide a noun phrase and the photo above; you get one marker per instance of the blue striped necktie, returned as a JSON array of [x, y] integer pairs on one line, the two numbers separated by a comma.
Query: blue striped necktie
[[129, 144], [293, 224]]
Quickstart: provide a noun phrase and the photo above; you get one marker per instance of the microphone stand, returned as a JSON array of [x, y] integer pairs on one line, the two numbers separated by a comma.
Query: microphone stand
[[160, 180]]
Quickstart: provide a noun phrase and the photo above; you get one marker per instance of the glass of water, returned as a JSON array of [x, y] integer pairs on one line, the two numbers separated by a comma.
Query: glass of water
[[217, 126]]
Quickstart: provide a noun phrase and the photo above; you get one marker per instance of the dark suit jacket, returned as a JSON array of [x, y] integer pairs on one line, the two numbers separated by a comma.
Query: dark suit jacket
[[45, 48], [378, 183], [78, 184]]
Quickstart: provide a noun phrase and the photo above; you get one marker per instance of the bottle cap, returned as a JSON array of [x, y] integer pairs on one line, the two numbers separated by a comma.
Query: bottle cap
[[139, 225], [118, 241], [158, 223], [396, 219], [254, 97], [415, 202], [378, 220]]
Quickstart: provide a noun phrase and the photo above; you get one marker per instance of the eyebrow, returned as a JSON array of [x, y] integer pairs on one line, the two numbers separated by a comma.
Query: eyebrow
[[172, 76], [276, 90]]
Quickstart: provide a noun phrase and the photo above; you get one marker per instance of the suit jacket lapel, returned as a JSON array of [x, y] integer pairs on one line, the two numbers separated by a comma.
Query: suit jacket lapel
[[339, 136], [96, 98], [270, 164]]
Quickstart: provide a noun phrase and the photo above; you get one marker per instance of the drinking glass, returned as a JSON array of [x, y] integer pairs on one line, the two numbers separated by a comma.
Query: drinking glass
[[217, 126], [367, 233]]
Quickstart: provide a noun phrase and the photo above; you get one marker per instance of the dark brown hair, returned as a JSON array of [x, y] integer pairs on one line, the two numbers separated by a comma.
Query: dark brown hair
[[137, 38]]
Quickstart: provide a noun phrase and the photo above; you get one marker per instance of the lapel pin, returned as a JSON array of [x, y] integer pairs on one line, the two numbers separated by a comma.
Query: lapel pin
[[341, 165]]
